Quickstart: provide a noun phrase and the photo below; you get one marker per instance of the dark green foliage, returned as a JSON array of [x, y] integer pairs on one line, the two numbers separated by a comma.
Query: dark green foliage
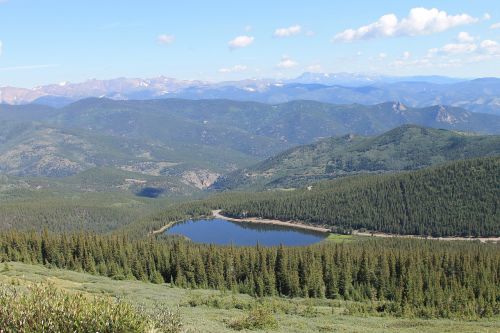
[[455, 199], [399, 276], [405, 148]]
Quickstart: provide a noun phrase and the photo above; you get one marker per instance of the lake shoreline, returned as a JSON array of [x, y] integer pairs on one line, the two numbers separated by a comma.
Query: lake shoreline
[[450, 238], [217, 214], [165, 227], [298, 225]]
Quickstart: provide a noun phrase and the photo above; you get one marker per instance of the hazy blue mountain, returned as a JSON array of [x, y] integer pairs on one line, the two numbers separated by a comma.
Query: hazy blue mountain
[[478, 95], [360, 79], [191, 141]]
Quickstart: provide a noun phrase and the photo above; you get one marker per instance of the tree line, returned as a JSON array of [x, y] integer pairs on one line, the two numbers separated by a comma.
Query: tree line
[[455, 199], [397, 276]]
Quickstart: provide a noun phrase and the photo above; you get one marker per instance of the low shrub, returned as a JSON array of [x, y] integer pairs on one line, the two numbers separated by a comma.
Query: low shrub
[[44, 308], [258, 318]]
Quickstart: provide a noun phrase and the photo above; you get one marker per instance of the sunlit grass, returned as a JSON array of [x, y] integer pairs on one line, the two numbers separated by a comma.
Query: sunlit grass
[[338, 238]]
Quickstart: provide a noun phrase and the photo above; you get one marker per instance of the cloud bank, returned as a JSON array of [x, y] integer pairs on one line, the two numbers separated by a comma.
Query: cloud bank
[[420, 21]]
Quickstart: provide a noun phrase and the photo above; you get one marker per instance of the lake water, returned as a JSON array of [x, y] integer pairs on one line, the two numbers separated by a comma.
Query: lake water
[[222, 232]]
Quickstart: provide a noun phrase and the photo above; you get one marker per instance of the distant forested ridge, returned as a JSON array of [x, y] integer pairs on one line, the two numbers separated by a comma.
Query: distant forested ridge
[[136, 135], [181, 146], [396, 276], [456, 199], [407, 147]]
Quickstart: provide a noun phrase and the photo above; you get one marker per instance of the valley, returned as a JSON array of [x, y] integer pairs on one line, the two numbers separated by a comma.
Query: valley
[[180, 147], [303, 167]]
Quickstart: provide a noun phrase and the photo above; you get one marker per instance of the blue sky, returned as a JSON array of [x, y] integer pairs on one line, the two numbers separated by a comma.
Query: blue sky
[[52, 41]]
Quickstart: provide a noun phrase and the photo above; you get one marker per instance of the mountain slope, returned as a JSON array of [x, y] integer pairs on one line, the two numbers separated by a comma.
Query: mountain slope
[[458, 198], [193, 141], [404, 148], [221, 122]]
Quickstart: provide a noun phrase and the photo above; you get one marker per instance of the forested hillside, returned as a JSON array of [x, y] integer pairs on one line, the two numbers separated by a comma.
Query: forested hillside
[[187, 144], [398, 277], [459, 198], [407, 147]]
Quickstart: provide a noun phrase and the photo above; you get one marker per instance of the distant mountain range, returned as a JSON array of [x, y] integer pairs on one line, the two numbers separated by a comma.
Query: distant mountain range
[[359, 80], [184, 145], [408, 147], [478, 95]]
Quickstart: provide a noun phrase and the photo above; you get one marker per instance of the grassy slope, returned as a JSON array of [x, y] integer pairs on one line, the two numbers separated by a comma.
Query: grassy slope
[[209, 319]]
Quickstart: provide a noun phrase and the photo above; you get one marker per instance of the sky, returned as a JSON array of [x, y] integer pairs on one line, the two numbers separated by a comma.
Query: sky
[[53, 41]]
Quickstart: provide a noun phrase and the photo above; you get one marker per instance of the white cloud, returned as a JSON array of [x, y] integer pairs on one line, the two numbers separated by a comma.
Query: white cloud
[[286, 63], [455, 55], [490, 46], [166, 39], [420, 21], [314, 68], [382, 55], [406, 55], [486, 16], [454, 48], [466, 44], [495, 26], [240, 41], [287, 32], [424, 62], [234, 69], [465, 37]]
